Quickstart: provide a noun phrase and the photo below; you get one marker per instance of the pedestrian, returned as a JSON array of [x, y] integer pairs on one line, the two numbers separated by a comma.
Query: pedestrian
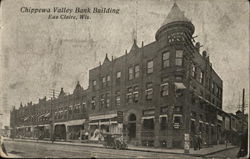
[[199, 141], [195, 142]]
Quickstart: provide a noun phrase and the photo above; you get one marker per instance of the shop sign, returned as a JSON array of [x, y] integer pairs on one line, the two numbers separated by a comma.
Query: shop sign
[[119, 117]]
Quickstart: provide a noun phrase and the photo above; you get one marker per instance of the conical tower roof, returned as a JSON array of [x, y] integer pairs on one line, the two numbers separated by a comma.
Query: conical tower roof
[[174, 15]]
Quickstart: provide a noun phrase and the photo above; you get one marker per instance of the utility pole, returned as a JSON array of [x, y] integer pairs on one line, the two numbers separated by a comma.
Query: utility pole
[[243, 109]]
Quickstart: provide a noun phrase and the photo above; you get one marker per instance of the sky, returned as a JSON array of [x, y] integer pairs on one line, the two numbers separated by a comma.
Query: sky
[[39, 54]]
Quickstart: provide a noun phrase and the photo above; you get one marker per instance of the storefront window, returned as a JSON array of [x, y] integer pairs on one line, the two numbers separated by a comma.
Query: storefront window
[[148, 124]]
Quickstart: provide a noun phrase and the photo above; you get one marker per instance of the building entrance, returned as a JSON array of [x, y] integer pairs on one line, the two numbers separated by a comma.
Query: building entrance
[[131, 126], [60, 132]]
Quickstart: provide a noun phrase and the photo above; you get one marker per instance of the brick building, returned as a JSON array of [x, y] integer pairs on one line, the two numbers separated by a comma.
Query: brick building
[[162, 90]]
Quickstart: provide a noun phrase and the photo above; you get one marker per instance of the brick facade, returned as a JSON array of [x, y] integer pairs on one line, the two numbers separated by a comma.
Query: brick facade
[[164, 89]]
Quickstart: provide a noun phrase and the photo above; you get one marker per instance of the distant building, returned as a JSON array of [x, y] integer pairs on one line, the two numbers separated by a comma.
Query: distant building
[[153, 94]]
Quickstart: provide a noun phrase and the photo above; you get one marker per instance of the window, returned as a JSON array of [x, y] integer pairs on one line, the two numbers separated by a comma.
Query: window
[[93, 103], [94, 84], [103, 82], [148, 124], [150, 66], [163, 123], [212, 87], [177, 108], [118, 99], [193, 70], [83, 107], [149, 91], [130, 73], [164, 110], [108, 80], [165, 59], [107, 100], [129, 95], [118, 75], [177, 119], [136, 94], [178, 78], [201, 77], [137, 71], [178, 57], [102, 101], [164, 87]]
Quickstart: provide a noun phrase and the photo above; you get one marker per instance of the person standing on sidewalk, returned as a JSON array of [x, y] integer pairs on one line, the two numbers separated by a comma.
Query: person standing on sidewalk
[[195, 141], [199, 141]]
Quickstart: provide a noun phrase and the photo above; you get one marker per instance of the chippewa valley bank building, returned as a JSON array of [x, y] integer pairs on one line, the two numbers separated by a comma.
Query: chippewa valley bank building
[[153, 95]]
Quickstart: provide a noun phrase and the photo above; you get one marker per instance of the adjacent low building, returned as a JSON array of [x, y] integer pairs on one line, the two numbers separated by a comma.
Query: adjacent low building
[[153, 95]]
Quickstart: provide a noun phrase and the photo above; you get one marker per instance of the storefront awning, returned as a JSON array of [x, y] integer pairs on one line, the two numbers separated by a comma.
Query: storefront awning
[[163, 115], [105, 116], [47, 115], [148, 117], [179, 85], [26, 118], [72, 122]]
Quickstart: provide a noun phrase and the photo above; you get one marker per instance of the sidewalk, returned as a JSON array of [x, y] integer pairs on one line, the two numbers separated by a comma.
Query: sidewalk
[[202, 152]]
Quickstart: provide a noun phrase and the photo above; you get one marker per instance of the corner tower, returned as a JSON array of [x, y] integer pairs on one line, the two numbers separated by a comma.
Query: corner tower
[[175, 25]]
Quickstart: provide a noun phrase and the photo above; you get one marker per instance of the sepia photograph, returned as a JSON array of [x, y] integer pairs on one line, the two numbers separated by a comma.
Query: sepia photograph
[[124, 79]]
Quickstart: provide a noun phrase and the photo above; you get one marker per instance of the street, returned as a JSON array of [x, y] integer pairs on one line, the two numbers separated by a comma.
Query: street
[[49, 150]]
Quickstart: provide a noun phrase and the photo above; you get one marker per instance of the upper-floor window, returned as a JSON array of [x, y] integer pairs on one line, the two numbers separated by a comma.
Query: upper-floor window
[[193, 70], [103, 82], [129, 95], [94, 84], [130, 73], [149, 91], [107, 100], [118, 75], [117, 98], [165, 59], [102, 101], [212, 87], [164, 86], [178, 78], [93, 103], [178, 57], [150, 66], [108, 80], [136, 94], [201, 77], [137, 71]]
